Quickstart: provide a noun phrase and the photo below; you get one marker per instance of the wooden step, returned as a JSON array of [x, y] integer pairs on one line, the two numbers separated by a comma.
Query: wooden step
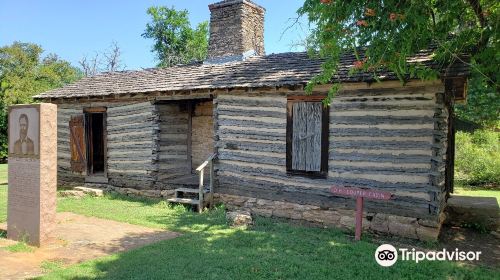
[[188, 190], [184, 201]]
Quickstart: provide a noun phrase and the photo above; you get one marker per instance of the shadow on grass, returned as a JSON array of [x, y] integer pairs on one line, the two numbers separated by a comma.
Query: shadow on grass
[[142, 211], [271, 249]]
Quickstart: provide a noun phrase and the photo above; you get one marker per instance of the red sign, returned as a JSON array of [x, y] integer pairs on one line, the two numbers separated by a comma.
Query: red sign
[[356, 192], [360, 195]]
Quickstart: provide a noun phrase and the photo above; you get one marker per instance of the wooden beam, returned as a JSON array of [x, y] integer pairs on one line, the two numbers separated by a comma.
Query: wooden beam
[[192, 96], [95, 110], [306, 97], [457, 89]]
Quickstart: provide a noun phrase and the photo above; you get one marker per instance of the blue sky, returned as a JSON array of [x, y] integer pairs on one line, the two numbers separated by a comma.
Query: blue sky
[[74, 28]]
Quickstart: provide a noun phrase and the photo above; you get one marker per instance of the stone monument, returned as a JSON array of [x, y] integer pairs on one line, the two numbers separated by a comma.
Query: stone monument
[[32, 172]]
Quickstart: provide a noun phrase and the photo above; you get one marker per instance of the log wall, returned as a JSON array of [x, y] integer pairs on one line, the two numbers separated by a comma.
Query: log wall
[[386, 137], [64, 173], [202, 133], [174, 155], [132, 143]]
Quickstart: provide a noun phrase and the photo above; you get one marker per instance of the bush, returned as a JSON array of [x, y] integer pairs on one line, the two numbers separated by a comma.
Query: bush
[[477, 158]]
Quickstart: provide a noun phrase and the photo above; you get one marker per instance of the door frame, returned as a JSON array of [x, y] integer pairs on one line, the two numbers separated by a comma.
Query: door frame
[[89, 147]]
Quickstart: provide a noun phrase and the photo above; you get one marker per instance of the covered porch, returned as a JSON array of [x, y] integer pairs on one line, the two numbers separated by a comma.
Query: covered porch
[[186, 140]]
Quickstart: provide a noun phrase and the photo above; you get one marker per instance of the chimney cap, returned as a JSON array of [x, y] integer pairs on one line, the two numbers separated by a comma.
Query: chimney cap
[[225, 3]]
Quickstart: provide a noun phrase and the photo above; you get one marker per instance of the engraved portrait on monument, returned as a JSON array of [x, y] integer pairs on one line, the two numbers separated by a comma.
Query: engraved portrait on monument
[[24, 132]]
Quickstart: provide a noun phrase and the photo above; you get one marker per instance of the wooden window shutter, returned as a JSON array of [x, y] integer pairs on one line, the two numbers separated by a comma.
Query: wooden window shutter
[[307, 137], [306, 143], [77, 143]]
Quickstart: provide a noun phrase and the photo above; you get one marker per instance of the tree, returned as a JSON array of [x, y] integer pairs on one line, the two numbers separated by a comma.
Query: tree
[[111, 61], [483, 103], [112, 58], [90, 66], [24, 73], [175, 42], [391, 31], [18, 64]]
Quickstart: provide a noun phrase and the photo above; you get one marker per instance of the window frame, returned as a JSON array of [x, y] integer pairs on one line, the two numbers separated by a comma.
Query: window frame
[[325, 121]]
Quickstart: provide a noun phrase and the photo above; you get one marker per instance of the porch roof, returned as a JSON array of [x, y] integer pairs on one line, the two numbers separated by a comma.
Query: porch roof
[[284, 69]]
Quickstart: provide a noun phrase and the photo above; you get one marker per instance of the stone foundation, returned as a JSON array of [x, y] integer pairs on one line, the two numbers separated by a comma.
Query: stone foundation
[[143, 193], [161, 194], [407, 227]]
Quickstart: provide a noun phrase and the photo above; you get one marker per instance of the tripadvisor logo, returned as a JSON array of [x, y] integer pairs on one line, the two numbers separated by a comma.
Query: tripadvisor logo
[[386, 255]]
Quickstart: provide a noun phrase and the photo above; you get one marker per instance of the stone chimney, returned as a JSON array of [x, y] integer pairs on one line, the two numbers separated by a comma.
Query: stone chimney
[[236, 31]]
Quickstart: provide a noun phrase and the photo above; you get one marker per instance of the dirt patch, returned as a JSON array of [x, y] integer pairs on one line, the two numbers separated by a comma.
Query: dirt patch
[[466, 239], [76, 239]]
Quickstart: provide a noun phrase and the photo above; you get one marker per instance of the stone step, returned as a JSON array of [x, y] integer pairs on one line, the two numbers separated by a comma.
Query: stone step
[[184, 201], [71, 193], [90, 191], [482, 211]]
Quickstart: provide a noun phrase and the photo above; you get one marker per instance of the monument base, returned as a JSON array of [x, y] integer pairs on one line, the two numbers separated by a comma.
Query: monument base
[[32, 171]]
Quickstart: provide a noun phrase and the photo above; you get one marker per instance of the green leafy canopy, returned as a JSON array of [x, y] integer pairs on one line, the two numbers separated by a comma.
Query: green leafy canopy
[[175, 42], [25, 73], [483, 103], [393, 30]]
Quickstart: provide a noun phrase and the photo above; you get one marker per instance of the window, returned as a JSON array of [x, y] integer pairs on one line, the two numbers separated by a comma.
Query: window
[[307, 136]]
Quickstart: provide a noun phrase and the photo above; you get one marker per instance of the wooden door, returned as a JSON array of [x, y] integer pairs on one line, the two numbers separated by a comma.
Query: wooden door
[[77, 143]]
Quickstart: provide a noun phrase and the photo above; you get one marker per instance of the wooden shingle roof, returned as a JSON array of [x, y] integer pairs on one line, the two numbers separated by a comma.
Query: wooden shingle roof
[[285, 69]]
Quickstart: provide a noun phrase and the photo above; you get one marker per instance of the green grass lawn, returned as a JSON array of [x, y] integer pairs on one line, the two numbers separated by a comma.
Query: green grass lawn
[[477, 191], [210, 249], [3, 174], [3, 203]]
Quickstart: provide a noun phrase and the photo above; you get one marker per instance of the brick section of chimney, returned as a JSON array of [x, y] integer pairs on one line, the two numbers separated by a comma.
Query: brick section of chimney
[[236, 30]]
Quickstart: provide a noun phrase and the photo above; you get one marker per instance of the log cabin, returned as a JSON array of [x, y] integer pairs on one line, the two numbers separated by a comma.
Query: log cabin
[[239, 128]]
